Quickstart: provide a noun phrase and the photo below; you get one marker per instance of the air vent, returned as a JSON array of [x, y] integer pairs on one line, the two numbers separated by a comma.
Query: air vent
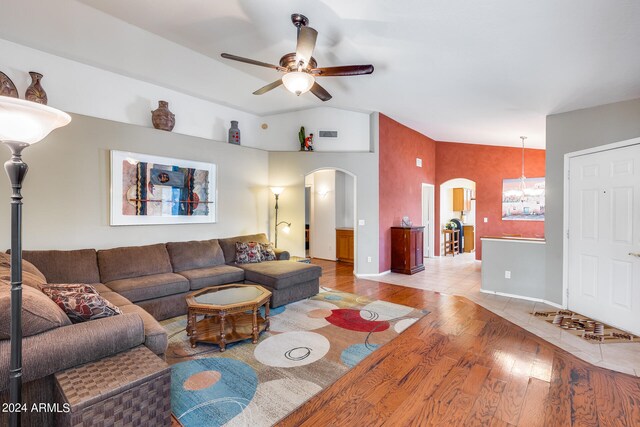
[[328, 133]]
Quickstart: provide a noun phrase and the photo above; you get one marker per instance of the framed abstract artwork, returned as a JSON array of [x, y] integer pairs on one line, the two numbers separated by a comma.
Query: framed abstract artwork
[[523, 200], [149, 189]]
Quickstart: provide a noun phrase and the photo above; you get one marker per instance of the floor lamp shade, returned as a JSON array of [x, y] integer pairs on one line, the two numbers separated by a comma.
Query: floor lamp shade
[[22, 123], [28, 122]]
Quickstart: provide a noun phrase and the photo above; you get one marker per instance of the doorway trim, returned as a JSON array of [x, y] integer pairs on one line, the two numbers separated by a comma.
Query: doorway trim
[[566, 207], [432, 212], [355, 207]]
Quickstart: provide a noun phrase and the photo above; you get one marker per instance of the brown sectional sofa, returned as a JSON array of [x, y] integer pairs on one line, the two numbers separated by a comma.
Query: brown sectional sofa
[[148, 283]]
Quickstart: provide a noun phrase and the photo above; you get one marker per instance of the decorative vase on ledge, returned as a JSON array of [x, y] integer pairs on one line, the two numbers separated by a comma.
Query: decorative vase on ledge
[[234, 133], [35, 92], [162, 118], [7, 88]]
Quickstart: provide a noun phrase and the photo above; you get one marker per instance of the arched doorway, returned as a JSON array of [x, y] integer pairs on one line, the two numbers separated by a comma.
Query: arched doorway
[[330, 215], [451, 208]]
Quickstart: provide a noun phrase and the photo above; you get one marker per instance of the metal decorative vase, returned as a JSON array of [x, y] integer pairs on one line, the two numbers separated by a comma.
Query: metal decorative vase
[[162, 118], [234, 133], [35, 92]]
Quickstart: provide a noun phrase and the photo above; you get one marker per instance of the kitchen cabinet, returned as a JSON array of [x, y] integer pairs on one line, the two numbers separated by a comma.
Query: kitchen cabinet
[[344, 244], [406, 249], [461, 200], [469, 238]]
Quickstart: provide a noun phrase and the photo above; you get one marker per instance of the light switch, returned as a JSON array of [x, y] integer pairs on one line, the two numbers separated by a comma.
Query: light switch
[[361, 222], [486, 219], [418, 162]]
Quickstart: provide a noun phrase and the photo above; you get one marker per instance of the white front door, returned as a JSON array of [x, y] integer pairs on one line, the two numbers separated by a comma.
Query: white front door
[[604, 236]]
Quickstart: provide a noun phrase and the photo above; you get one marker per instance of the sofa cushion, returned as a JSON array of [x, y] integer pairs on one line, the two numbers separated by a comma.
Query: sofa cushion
[[101, 288], [39, 313], [195, 254], [115, 298], [155, 336], [148, 287], [133, 261], [248, 253], [228, 245], [280, 274], [77, 266], [81, 302], [27, 267], [213, 276], [31, 276]]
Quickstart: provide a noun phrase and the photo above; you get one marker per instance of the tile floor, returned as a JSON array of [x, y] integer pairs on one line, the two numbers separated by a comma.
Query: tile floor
[[461, 275]]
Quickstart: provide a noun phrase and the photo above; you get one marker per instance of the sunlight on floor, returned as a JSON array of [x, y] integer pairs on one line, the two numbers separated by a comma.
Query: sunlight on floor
[[461, 275]]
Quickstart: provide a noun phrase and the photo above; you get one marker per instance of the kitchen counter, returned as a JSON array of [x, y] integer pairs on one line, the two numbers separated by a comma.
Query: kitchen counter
[[513, 238], [514, 266]]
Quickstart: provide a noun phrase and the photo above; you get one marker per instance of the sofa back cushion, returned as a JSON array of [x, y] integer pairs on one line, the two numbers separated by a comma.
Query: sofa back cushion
[[31, 276], [133, 261], [195, 254], [39, 312], [27, 267], [77, 266], [228, 245]]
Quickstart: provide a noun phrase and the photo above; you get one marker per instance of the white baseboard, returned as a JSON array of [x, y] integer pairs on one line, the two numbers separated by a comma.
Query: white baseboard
[[504, 294], [362, 276]]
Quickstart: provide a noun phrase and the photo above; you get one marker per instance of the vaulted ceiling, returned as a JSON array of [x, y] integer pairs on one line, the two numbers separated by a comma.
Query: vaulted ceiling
[[477, 72]]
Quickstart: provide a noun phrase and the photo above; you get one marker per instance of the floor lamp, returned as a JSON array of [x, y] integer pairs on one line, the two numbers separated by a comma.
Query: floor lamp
[[22, 123], [276, 192]]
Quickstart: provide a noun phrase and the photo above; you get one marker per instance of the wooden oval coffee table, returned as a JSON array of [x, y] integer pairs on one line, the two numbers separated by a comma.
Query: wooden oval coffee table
[[230, 313]]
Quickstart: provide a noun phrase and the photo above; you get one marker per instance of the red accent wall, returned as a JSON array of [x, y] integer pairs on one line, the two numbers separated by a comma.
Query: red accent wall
[[401, 180], [487, 165]]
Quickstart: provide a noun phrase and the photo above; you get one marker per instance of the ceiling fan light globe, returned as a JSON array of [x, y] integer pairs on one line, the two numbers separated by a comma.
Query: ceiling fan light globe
[[298, 82]]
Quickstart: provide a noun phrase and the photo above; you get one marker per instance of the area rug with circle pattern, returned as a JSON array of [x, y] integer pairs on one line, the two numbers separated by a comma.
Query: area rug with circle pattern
[[310, 345]]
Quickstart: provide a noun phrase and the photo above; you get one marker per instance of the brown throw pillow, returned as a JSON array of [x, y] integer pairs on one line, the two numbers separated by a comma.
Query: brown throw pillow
[[249, 252], [81, 302], [39, 313], [268, 252]]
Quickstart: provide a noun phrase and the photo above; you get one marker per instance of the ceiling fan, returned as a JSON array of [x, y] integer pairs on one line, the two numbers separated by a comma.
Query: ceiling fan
[[300, 67]]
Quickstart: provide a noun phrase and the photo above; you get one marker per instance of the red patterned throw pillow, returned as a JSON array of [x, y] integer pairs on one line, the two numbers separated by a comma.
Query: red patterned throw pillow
[[268, 252], [248, 252], [80, 302]]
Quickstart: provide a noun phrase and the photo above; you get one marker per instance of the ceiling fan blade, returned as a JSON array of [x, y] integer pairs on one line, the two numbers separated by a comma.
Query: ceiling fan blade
[[306, 43], [320, 92], [252, 61], [267, 88], [345, 70]]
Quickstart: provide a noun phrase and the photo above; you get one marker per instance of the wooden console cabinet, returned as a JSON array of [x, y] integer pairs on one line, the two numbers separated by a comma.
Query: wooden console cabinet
[[406, 249], [344, 244]]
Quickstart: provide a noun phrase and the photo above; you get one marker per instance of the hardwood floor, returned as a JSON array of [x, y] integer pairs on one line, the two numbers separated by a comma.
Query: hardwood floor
[[463, 365]]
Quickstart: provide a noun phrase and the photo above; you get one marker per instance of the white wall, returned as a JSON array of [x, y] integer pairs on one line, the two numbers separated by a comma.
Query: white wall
[[352, 127], [288, 169], [323, 227], [568, 132], [344, 200], [78, 88], [66, 192]]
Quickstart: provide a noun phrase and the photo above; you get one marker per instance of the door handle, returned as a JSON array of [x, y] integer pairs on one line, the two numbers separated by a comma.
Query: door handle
[[634, 254]]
